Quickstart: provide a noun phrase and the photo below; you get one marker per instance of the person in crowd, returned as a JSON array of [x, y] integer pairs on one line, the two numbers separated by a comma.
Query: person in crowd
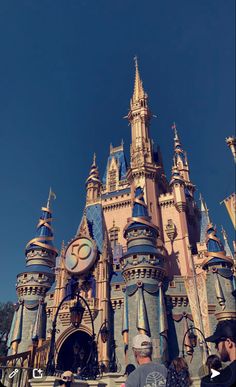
[[224, 338], [128, 369], [66, 379], [178, 374], [147, 373], [213, 363]]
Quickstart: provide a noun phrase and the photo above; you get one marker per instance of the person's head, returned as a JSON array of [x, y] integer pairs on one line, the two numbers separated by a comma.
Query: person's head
[[66, 378], [142, 348], [224, 338], [213, 362], [129, 368], [180, 364]]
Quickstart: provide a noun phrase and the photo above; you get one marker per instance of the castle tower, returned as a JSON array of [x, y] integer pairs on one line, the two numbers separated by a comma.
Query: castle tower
[[219, 276], [116, 196], [143, 271], [29, 323], [177, 186], [145, 170], [93, 184], [180, 157]]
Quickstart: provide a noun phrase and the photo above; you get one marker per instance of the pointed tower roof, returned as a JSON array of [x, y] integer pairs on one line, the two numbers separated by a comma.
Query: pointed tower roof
[[226, 243], [93, 174], [178, 151], [215, 250], [119, 155], [140, 232], [138, 84], [140, 215], [44, 234], [205, 220]]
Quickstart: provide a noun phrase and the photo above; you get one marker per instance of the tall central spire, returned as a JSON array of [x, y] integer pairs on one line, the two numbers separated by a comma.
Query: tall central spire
[[139, 117], [138, 84]]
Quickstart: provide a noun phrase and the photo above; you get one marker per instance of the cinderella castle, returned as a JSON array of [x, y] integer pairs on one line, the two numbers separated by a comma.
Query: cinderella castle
[[146, 258]]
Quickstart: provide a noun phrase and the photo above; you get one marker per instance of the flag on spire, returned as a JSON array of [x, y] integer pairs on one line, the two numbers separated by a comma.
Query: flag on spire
[[51, 195], [230, 204]]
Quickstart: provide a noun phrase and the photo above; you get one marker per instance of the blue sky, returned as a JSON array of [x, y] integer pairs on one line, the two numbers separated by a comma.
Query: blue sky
[[66, 78]]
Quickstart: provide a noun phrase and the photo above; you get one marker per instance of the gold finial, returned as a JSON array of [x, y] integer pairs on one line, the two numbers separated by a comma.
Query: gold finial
[[94, 158], [51, 195], [175, 131], [138, 85]]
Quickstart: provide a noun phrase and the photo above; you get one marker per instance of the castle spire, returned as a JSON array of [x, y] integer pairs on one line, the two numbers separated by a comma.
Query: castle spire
[[138, 84], [44, 234], [215, 250], [51, 196], [139, 117], [93, 183], [180, 157], [205, 220], [226, 243]]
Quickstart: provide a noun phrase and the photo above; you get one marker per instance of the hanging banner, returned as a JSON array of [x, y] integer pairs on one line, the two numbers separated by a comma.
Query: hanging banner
[[230, 204]]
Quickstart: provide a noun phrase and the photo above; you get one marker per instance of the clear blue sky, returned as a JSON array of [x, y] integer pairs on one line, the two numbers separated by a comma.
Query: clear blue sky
[[66, 77]]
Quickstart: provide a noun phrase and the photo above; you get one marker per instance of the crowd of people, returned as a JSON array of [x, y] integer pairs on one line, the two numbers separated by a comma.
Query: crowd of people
[[151, 374]]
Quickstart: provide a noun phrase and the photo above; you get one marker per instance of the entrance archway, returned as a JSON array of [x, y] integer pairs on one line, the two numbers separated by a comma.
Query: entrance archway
[[74, 351]]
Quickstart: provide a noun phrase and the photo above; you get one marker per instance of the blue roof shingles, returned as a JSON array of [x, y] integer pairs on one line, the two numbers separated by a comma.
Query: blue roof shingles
[[94, 215], [120, 157]]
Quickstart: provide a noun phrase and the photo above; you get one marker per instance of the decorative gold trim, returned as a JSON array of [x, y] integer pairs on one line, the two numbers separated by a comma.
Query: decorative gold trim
[[226, 315]]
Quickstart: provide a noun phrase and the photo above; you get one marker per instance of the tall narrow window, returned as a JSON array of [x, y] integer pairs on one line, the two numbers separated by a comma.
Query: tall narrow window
[[114, 234], [112, 180]]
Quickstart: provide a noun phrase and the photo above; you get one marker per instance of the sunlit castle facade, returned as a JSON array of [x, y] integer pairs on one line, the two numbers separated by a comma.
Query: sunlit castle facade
[[146, 258]]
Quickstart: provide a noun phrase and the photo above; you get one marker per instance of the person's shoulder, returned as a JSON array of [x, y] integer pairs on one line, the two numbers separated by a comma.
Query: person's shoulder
[[227, 375], [160, 367], [205, 381], [133, 378]]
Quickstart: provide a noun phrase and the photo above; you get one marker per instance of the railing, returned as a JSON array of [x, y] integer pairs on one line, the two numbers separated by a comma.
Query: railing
[[24, 363], [41, 355], [20, 362]]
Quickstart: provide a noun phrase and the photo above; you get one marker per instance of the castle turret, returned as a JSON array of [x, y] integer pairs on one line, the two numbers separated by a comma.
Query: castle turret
[[29, 323], [93, 184], [220, 277], [180, 156], [205, 220], [143, 272], [146, 170]]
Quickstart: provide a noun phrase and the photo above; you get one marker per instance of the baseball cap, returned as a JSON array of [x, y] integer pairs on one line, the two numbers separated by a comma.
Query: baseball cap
[[224, 330], [142, 342]]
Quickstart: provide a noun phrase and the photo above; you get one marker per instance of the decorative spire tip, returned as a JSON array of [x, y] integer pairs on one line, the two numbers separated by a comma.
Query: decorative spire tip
[[94, 158], [51, 196]]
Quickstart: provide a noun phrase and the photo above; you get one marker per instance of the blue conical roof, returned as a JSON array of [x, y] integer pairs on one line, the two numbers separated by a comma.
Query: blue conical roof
[[215, 249], [44, 234], [140, 215], [139, 207], [204, 219]]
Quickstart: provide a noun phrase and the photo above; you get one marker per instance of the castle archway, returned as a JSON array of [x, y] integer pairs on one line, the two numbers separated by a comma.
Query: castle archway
[[74, 351]]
